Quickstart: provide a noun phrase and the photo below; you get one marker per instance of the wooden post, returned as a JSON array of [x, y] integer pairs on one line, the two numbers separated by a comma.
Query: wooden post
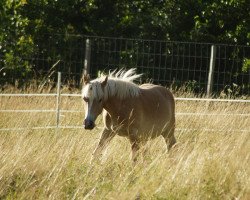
[[86, 69], [211, 71], [58, 99]]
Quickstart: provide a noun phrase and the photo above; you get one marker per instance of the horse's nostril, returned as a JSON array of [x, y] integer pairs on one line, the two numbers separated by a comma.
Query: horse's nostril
[[88, 124]]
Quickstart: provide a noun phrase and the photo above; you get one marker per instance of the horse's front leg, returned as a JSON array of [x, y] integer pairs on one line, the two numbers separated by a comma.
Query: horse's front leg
[[106, 137], [135, 144], [135, 151]]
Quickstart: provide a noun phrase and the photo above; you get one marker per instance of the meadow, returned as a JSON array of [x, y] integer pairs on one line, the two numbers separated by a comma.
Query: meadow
[[210, 161]]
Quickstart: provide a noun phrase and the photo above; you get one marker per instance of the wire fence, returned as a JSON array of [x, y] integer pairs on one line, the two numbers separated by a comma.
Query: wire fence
[[179, 64], [81, 127], [58, 111], [175, 63]]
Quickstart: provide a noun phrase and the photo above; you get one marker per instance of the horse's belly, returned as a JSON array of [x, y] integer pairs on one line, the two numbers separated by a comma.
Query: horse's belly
[[155, 121], [154, 127], [157, 109]]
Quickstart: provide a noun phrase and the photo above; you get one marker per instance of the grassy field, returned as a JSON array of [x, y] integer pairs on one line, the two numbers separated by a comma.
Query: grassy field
[[55, 164]]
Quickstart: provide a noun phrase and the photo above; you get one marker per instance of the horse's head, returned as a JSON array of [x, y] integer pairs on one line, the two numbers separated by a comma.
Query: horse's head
[[93, 96]]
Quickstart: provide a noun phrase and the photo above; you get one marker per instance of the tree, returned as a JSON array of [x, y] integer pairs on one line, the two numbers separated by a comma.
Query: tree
[[15, 43], [224, 21], [26, 24]]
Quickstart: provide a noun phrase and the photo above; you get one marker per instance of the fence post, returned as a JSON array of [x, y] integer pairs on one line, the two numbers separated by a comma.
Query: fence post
[[86, 69], [211, 71], [58, 99]]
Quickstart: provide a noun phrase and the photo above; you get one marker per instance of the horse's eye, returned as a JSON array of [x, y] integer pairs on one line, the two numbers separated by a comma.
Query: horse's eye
[[86, 99], [100, 100]]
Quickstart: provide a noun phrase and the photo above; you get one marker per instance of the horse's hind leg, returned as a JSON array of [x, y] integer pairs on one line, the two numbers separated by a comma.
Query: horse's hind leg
[[169, 137]]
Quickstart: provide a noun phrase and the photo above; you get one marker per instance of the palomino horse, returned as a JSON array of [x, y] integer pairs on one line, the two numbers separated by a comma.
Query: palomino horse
[[137, 112]]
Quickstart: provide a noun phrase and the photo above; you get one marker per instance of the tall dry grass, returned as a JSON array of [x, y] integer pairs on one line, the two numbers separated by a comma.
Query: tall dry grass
[[54, 164]]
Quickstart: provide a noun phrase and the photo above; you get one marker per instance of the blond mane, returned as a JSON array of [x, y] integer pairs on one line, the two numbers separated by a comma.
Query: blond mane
[[120, 83]]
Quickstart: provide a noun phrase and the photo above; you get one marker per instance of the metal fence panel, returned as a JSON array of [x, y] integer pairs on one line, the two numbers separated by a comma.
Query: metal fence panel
[[162, 62]]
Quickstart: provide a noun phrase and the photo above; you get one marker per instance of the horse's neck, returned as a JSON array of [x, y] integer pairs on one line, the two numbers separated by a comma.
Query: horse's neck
[[112, 106]]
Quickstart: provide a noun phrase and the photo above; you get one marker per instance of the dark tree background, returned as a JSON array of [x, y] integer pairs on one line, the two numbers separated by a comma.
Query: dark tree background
[[26, 24]]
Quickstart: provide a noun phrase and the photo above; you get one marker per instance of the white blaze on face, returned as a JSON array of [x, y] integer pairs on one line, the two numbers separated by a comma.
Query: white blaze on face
[[88, 94]]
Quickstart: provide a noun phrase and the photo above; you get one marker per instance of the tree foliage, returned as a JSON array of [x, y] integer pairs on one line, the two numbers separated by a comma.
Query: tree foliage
[[25, 22]]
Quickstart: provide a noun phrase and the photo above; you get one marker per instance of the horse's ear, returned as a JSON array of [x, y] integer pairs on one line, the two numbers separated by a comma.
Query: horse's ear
[[104, 82], [85, 79]]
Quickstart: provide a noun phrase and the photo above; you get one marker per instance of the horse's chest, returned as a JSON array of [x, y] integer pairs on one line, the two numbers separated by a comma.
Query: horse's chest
[[123, 119], [120, 126]]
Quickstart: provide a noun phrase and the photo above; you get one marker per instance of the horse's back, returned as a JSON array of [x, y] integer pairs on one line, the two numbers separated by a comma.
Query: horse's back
[[157, 93], [157, 106]]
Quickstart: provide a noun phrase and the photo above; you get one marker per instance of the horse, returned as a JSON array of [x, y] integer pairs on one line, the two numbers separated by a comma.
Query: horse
[[137, 112]]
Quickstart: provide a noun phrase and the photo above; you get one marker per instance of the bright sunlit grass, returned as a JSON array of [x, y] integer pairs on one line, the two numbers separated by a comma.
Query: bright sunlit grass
[[210, 161]]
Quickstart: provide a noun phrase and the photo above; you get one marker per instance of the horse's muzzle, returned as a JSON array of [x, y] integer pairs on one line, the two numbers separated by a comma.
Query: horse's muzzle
[[88, 124]]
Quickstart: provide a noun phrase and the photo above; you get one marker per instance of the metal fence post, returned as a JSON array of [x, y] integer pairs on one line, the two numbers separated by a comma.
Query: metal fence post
[[86, 69], [58, 99], [211, 71]]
